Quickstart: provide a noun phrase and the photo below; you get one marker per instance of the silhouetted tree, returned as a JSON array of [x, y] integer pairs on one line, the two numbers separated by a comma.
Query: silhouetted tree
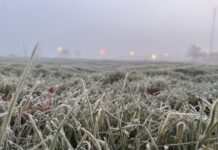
[[194, 51]]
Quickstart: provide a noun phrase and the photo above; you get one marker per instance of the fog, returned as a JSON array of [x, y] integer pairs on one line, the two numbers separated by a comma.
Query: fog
[[82, 27]]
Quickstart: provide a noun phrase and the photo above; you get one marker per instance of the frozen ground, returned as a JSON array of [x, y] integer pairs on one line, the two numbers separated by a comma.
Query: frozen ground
[[109, 105]]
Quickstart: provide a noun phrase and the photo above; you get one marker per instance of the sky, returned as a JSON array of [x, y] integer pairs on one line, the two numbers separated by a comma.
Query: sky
[[84, 26]]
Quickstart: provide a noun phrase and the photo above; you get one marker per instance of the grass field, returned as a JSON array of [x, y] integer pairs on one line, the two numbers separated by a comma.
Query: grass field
[[69, 104]]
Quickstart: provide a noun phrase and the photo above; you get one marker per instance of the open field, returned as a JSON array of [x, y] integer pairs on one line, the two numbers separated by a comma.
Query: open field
[[69, 104]]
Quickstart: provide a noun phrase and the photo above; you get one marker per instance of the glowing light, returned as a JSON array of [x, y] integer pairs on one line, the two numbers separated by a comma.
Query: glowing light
[[131, 54], [153, 56], [102, 52], [60, 49]]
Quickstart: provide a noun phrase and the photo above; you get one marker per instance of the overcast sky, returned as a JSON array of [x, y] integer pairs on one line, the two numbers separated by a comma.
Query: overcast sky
[[85, 26]]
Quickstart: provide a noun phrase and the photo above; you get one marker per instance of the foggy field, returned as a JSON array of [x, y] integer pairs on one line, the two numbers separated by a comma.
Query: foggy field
[[110, 105], [109, 75]]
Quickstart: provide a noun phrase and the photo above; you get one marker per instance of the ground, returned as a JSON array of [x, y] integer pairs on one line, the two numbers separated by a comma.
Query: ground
[[86, 104]]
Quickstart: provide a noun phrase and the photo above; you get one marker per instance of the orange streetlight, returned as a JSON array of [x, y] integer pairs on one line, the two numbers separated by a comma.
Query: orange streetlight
[[102, 52]]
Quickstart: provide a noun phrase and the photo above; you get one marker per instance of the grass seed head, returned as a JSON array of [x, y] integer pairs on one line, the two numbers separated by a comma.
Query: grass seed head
[[180, 130]]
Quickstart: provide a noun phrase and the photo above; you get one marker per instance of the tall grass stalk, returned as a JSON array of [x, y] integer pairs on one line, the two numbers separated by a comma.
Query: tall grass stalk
[[37, 130], [41, 143], [15, 145], [213, 123], [53, 144], [64, 136], [91, 136], [89, 108], [7, 118]]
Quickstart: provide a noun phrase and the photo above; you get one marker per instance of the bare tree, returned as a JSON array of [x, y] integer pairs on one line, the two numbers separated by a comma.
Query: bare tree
[[194, 51]]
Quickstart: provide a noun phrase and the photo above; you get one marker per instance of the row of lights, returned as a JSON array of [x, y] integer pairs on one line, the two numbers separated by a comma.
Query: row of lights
[[102, 53], [153, 56]]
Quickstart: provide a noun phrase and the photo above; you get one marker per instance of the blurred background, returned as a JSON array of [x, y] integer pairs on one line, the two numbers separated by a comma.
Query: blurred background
[[158, 30]]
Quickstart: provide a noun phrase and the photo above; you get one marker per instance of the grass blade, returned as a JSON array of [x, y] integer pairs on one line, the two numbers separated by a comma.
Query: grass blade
[[7, 118]]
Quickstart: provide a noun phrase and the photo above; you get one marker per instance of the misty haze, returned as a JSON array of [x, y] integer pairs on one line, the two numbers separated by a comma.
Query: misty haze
[[84, 27], [108, 74]]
